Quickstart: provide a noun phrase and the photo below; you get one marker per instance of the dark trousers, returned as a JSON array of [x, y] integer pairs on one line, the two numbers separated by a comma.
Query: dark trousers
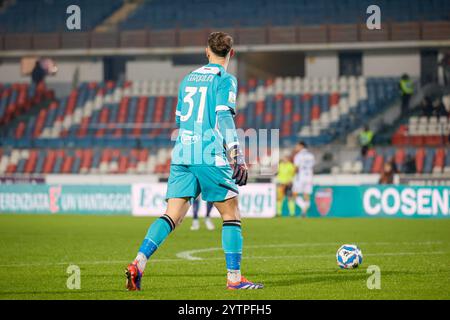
[[196, 205], [364, 150], [405, 103]]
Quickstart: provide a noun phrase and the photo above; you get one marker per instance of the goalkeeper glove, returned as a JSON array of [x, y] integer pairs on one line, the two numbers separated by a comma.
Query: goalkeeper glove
[[240, 170]]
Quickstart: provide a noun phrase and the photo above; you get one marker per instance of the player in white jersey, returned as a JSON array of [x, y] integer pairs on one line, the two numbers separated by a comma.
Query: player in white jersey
[[302, 186]]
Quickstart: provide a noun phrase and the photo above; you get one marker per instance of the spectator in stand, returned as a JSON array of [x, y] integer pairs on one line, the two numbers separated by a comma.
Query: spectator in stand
[[38, 74], [427, 107], [446, 102], [365, 140], [393, 165], [406, 90], [445, 64], [387, 176], [439, 108], [410, 164], [42, 68]]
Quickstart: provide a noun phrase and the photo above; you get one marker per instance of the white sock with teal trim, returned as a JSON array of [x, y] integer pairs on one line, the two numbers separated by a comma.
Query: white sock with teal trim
[[307, 205], [301, 203], [141, 261], [234, 276]]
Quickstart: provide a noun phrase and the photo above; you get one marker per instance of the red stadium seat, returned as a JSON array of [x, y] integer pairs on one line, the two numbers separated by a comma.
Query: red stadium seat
[[296, 117], [306, 97], [286, 129], [240, 120], [104, 115], [140, 114], [439, 158], [334, 99], [86, 159], [417, 140], [123, 164], [252, 83], [399, 157], [143, 155], [110, 84], [268, 117], [71, 102], [49, 161], [420, 159], [40, 123], [287, 107], [31, 162], [260, 106], [20, 130], [11, 168], [433, 140], [401, 136], [67, 165], [378, 164], [84, 125], [123, 107], [371, 153], [315, 112]]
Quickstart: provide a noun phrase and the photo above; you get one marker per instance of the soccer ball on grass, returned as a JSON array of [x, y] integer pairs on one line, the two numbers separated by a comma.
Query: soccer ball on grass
[[349, 256]]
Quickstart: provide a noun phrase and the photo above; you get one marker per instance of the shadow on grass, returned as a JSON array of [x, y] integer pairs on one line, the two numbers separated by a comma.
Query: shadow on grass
[[328, 277], [296, 278], [74, 292]]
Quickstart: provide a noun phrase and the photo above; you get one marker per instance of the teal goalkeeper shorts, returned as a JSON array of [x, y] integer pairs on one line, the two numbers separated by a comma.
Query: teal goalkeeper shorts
[[214, 183]]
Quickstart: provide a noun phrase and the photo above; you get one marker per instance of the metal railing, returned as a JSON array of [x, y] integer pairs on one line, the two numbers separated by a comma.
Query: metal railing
[[341, 33]]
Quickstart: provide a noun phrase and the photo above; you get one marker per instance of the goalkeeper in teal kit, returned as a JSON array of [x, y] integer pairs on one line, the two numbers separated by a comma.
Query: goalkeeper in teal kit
[[206, 145]]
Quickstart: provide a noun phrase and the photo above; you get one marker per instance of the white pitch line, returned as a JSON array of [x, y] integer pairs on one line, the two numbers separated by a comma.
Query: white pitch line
[[190, 254], [50, 264], [187, 256], [365, 255], [311, 256]]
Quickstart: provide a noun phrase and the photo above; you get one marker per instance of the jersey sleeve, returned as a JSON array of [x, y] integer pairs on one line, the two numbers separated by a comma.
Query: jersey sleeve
[[179, 104], [297, 160], [313, 161], [227, 128], [226, 95]]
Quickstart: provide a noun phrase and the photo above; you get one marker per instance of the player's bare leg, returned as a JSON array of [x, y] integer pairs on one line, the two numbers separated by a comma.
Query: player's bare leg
[[177, 209], [232, 244], [229, 209], [157, 233]]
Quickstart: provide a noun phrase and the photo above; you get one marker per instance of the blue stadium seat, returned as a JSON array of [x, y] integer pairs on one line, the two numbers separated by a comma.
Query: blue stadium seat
[[160, 14], [49, 16]]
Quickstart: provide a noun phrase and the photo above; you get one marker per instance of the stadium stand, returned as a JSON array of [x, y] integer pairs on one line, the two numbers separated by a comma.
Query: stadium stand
[[115, 127], [125, 127], [87, 160], [160, 14], [142, 113], [428, 160], [41, 16], [422, 130], [50, 15], [424, 139], [97, 160], [19, 98], [25, 25]]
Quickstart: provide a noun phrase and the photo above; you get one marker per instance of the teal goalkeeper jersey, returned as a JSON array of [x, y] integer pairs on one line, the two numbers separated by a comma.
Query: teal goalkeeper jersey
[[202, 94]]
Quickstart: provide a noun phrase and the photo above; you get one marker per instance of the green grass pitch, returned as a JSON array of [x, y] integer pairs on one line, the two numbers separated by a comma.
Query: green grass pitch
[[294, 258]]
